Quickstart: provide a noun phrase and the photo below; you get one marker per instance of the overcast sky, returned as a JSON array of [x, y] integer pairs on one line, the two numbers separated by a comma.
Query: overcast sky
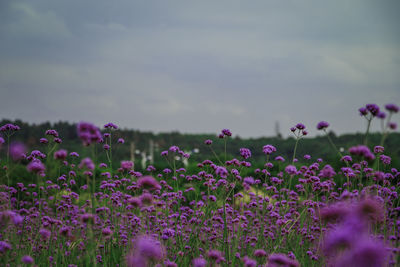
[[199, 66]]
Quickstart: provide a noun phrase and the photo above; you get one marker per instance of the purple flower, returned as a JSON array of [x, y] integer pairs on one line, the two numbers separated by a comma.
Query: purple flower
[[17, 151], [149, 248], [381, 115], [300, 126], [199, 262], [363, 111], [127, 165], [36, 166], [361, 150], [245, 153], [43, 141], [9, 128], [27, 259], [291, 170], [86, 163], [88, 133], [60, 154], [221, 172], [106, 147], [74, 154], [346, 158], [110, 126], [249, 262], [393, 125], [281, 260], [392, 108], [385, 159], [248, 180], [322, 125], [136, 260], [146, 198], [373, 109], [260, 253], [214, 254], [370, 209], [269, 149], [148, 182], [379, 149], [4, 246], [106, 232], [52, 133], [365, 253], [44, 233], [120, 141], [226, 132], [208, 142], [135, 202]]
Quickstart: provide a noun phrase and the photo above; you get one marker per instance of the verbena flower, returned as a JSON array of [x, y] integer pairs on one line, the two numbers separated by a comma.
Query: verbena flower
[[392, 108], [269, 149], [27, 259], [9, 128], [61, 154], [110, 126], [322, 125], [88, 133], [245, 153], [373, 109], [281, 260], [148, 182], [36, 166], [199, 262], [17, 151]]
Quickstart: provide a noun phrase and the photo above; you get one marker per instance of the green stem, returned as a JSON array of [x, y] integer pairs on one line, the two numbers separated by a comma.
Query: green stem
[[367, 132], [295, 148]]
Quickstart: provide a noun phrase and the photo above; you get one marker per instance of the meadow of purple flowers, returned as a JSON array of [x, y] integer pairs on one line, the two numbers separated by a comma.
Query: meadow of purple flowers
[[289, 213]]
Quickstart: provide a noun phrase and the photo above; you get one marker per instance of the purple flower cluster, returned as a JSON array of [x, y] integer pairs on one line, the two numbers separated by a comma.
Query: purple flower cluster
[[89, 133], [322, 125], [269, 149], [9, 128], [231, 212], [245, 153]]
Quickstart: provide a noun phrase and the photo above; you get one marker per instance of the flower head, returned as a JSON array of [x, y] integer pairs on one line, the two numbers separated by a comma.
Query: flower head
[[199, 262], [322, 125], [245, 153], [9, 128], [60, 154], [17, 151], [148, 182], [373, 109], [36, 166], [300, 126], [392, 108], [363, 111], [27, 259], [110, 126], [281, 260], [51, 133], [88, 133], [269, 149]]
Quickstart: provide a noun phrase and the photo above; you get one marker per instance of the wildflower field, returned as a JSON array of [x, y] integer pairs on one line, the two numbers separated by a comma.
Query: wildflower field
[[294, 211]]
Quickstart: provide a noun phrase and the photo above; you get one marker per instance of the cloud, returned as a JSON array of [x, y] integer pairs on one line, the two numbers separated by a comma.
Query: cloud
[[198, 67]]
